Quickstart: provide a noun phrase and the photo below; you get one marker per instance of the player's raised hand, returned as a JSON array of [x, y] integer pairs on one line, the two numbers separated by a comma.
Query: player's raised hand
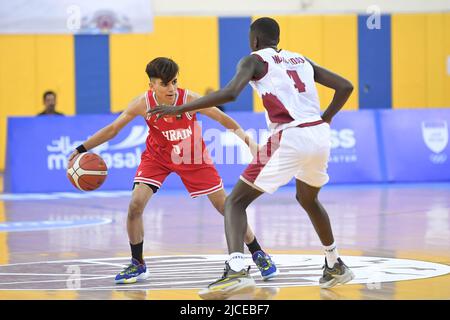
[[161, 111]]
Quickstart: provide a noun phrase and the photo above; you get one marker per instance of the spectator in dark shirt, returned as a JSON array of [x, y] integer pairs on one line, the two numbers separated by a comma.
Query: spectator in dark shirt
[[50, 104]]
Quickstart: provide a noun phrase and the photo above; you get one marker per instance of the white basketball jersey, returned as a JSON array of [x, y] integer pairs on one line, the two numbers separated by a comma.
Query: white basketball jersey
[[287, 89]]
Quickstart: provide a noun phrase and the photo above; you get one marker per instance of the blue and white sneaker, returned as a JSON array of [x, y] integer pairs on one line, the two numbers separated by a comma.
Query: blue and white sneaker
[[136, 271], [265, 265]]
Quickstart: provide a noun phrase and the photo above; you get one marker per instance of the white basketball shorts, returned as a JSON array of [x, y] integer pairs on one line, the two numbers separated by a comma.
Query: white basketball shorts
[[300, 152]]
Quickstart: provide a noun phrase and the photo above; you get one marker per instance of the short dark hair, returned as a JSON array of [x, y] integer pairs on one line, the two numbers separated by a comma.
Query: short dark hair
[[267, 30], [162, 68], [48, 92]]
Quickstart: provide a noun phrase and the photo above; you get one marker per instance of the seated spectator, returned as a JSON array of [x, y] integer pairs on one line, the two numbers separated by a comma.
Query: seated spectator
[[50, 104]]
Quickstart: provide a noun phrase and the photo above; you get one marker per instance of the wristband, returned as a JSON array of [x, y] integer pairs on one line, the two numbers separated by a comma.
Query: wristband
[[81, 149]]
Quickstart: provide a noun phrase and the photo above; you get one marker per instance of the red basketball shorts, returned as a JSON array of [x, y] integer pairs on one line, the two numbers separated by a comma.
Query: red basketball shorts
[[199, 179]]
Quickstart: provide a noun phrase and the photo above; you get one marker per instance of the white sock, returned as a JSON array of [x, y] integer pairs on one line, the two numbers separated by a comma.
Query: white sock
[[332, 254], [236, 261]]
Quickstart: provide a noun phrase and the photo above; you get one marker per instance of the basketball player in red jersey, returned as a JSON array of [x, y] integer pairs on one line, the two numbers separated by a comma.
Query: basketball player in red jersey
[[174, 144], [299, 147]]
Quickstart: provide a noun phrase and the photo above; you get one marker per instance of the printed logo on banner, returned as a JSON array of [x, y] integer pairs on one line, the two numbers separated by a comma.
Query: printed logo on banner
[[343, 143], [102, 21], [435, 135], [116, 156], [343, 146], [229, 139], [80, 16]]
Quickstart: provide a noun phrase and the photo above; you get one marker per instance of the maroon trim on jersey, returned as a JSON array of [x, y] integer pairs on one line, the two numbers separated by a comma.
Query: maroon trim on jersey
[[263, 156], [266, 66], [310, 124], [276, 110]]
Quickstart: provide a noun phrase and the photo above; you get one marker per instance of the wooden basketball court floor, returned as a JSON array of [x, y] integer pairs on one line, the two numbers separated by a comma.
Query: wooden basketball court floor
[[395, 237]]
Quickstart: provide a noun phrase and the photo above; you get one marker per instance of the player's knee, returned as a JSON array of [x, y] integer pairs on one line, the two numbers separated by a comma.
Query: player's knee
[[233, 202], [306, 201], [230, 202], [135, 209]]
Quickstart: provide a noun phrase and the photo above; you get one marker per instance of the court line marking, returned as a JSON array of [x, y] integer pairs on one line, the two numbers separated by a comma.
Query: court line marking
[[45, 226], [43, 274], [63, 280], [359, 263]]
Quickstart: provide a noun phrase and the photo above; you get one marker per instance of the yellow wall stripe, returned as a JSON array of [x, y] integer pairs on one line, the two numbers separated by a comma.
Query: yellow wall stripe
[[447, 56], [409, 61], [17, 81], [3, 130], [55, 70], [340, 54], [30, 65], [420, 47], [435, 60], [192, 42], [4, 248]]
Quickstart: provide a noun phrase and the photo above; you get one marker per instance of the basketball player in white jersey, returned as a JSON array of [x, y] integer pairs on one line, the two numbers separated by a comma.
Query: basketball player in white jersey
[[299, 147]]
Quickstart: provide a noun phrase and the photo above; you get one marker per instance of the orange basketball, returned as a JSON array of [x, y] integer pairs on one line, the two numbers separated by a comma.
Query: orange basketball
[[87, 171]]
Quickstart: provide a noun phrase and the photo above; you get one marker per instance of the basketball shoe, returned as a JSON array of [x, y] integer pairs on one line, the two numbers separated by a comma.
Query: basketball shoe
[[339, 274], [231, 283], [265, 265], [134, 272]]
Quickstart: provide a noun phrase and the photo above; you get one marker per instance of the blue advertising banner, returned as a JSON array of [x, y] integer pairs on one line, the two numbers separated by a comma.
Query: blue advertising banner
[[38, 148], [231, 155], [367, 146], [355, 154], [416, 144], [354, 149]]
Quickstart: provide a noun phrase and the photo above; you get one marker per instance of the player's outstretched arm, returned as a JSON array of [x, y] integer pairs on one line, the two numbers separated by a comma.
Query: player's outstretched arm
[[135, 108], [248, 68], [343, 89], [231, 124]]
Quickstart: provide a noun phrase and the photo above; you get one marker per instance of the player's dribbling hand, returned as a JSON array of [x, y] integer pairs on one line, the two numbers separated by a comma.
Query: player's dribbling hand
[[73, 155], [161, 111]]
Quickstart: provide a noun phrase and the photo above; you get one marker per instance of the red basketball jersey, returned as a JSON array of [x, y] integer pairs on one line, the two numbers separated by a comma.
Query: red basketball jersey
[[175, 139]]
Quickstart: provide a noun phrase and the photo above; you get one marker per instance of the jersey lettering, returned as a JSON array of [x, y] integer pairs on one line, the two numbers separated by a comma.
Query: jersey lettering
[[297, 81]]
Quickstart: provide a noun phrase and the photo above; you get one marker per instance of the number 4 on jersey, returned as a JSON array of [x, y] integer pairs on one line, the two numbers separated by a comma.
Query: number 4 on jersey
[[297, 81]]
